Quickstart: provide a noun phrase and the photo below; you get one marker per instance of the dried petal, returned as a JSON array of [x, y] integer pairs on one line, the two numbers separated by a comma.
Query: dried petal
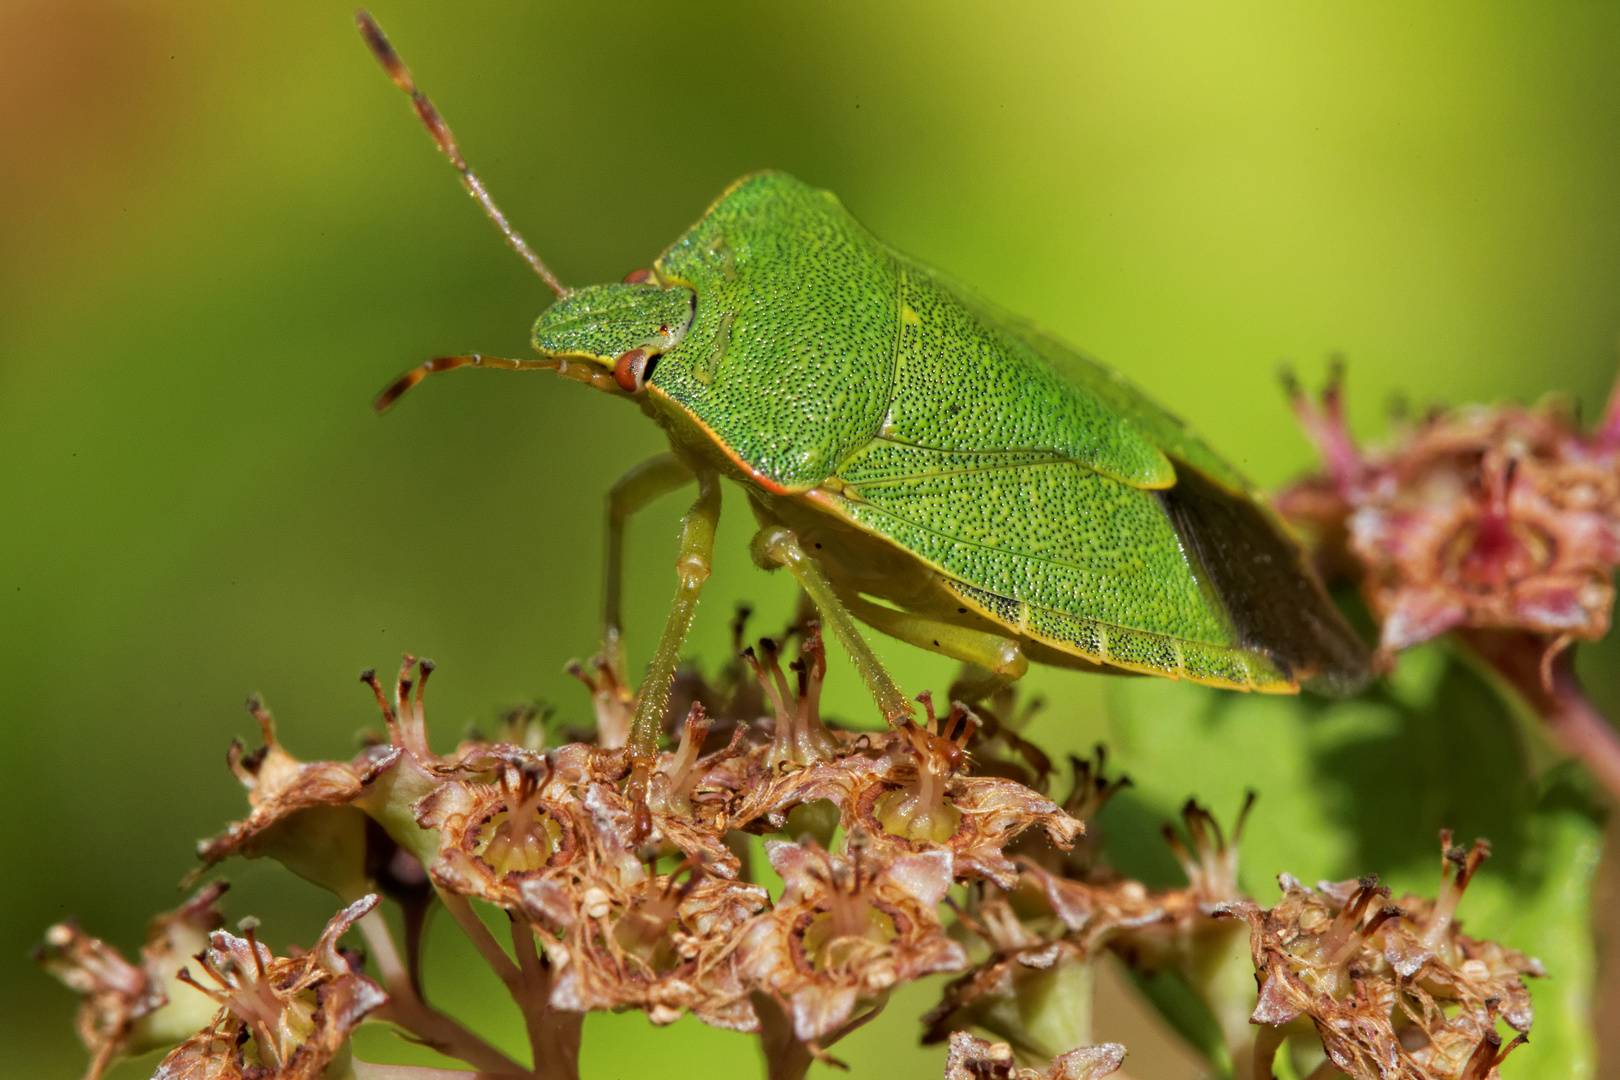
[[287, 1018]]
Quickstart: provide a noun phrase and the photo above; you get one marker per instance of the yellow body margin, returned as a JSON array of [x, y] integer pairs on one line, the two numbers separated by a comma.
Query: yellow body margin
[[1134, 650]]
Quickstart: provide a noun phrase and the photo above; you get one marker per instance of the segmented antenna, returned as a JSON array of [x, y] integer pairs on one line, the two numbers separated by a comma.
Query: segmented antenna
[[440, 131]]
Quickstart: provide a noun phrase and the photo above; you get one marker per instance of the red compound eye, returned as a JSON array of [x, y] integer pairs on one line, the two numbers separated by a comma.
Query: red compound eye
[[630, 371]]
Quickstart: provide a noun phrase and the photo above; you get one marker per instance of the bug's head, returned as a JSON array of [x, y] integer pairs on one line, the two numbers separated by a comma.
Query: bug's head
[[620, 330]]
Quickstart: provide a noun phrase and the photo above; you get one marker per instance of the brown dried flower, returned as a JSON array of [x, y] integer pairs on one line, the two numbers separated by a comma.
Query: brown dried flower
[[792, 759], [660, 945], [800, 738], [1024, 968], [922, 801], [494, 836], [611, 700], [1394, 992], [1502, 518], [847, 931], [128, 1010], [287, 1018], [302, 813], [1046, 936]]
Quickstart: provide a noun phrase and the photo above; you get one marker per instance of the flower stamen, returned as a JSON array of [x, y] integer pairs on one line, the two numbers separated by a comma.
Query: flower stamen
[[523, 837], [1457, 869]]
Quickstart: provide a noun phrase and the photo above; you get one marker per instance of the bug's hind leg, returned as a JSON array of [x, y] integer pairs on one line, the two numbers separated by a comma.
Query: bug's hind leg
[[994, 661], [777, 545], [653, 478]]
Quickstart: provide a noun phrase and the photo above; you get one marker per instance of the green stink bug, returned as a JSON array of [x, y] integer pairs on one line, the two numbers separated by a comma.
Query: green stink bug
[[918, 459]]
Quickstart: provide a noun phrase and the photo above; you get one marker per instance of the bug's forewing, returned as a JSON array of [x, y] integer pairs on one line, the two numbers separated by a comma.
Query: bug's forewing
[[1233, 541]]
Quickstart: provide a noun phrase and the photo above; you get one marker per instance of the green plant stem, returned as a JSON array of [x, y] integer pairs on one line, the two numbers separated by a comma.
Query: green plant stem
[[461, 910]]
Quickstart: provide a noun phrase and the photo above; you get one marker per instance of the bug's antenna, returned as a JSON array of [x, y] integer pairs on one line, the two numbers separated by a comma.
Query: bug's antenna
[[440, 131]]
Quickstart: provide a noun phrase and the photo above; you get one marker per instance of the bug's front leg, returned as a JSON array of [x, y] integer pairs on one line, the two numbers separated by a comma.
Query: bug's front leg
[[692, 570], [655, 477], [776, 545]]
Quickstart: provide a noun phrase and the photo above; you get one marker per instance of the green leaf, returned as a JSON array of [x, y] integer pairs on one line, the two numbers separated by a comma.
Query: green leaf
[[1364, 785]]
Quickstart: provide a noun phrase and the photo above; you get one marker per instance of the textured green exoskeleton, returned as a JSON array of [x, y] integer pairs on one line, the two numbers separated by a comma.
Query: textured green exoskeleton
[[947, 473]]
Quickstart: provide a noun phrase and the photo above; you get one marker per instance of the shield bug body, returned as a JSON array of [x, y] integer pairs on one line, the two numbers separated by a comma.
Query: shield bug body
[[919, 460]]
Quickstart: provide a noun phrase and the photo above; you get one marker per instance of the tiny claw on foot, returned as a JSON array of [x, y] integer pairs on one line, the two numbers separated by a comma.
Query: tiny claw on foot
[[636, 792]]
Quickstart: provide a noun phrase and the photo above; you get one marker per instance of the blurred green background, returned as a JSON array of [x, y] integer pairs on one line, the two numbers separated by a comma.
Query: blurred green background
[[222, 231]]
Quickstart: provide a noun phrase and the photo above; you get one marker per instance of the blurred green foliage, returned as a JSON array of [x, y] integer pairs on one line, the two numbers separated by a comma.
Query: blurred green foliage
[[221, 231], [1365, 786]]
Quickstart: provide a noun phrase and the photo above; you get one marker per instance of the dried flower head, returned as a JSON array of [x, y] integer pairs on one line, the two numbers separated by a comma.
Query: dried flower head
[[1394, 991], [128, 1010], [287, 1018], [923, 801], [622, 891], [791, 759], [659, 944], [1501, 518], [847, 931], [610, 698], [800, 737], [1046, 936], [1032, 990], [972, 1058], [495, 835]]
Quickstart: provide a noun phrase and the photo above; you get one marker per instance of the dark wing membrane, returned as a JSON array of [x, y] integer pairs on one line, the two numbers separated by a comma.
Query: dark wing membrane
[[1275, 602]]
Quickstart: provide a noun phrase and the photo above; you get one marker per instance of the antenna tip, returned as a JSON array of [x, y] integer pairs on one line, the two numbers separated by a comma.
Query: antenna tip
[[377, 42]]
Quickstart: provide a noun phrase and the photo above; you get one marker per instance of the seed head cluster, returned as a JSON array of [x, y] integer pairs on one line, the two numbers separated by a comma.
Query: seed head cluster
[[928, 848]]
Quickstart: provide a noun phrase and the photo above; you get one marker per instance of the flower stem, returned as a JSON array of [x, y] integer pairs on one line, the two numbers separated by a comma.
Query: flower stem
[[490, 949], [554, 1035], [1552, 690], [1267, 1039], [786, 1057], [366, 1070], [413, 1014]]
